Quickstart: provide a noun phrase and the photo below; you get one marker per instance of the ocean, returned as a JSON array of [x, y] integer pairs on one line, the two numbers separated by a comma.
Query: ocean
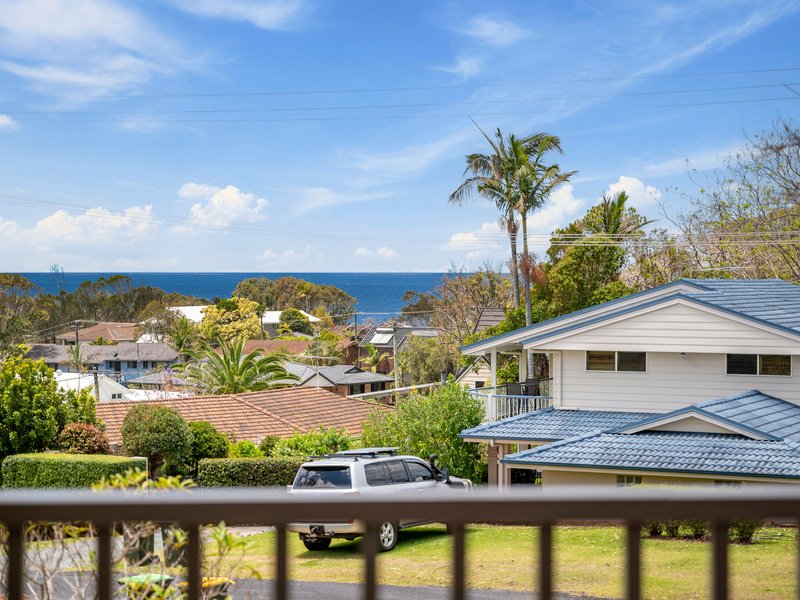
[[378, 293]]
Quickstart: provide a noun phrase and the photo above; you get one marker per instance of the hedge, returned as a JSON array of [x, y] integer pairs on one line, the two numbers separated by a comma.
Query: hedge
[[247, 472], [53, 470]]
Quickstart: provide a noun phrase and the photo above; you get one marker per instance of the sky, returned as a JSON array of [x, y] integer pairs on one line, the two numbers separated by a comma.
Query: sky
[[326, 136]]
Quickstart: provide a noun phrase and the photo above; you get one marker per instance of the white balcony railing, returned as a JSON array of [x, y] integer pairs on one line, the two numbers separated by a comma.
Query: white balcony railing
[[543, 508], [500, 403]]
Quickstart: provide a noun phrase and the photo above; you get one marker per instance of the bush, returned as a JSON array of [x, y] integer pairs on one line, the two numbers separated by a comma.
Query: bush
[[293, 320], [743, 530], [244, 449], [53, 470], [672, 528], [247, 472], [160, 434], [653, 528], [268, 444], [82, 438], [314, 443], [207, 442], [697, 529], [430, 424]]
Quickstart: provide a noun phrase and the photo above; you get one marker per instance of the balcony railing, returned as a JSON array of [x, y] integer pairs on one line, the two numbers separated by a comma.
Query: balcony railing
[[543, 508], [510, 400]]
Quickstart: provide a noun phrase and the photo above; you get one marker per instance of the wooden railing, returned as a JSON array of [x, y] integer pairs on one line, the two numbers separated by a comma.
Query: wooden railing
[[543, 508]]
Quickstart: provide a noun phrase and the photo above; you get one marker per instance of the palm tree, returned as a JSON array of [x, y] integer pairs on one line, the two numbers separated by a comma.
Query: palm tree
[[75, 360], [611, 217], [374, 358], [183, 337], [231, 371]]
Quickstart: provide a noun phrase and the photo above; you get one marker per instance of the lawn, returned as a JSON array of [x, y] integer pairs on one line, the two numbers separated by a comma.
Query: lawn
[[588, 560]]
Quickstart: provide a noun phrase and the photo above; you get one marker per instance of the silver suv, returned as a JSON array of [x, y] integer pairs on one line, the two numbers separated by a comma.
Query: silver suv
[[366, 471]]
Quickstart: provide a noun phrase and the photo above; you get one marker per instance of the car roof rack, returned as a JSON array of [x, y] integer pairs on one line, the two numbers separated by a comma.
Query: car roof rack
[[360, 453]]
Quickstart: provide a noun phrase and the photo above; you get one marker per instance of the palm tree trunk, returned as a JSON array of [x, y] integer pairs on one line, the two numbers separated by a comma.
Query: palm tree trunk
[[512, 236], [526, 282]]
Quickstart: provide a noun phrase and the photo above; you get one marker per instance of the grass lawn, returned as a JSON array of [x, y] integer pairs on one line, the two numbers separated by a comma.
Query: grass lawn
[[588, 560]]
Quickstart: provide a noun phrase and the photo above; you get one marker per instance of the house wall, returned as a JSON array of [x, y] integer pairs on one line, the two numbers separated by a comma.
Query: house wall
[[483, 374], [670, 382]]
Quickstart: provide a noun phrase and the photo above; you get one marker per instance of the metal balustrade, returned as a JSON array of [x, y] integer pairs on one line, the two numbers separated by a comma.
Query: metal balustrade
[[501, 405], [543, 508]]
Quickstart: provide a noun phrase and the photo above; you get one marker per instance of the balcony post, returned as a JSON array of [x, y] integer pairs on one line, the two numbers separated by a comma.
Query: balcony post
[[523, 366], [491, 407]]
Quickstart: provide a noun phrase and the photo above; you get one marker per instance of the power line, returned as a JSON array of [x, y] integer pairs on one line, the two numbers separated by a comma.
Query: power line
[[438, 87]]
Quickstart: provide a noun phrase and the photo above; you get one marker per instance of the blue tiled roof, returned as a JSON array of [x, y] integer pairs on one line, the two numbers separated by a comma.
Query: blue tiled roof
[[665, 451], [553, 424], [759, 411]]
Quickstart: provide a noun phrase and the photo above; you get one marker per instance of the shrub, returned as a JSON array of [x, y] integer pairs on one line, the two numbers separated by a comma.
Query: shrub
[[82, 438], [653, 528], [743, 530], [313, 443], [247, 472], [430, 424], [53, 470], [160, 434], [267, 445], [244, 449], [207, 442], [293, 320], [697, 529], [672, 528]]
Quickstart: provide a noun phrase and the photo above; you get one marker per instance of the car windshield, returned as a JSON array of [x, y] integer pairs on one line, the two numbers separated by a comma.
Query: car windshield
[[323, 478]]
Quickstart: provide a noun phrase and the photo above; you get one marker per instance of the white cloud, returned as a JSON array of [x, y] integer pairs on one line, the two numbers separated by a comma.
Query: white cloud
[[270, 255], [306, 200], [494, 31], [640, 195], [488, 236], [697, 161], [220, 207], [95, 227], [560, 209], [383, 252], [465, 67], [265, 14], [6, 122]]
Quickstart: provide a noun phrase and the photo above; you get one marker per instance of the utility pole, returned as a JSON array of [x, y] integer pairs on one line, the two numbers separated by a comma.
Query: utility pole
[[355, 339], [394, 355], [96, 384]]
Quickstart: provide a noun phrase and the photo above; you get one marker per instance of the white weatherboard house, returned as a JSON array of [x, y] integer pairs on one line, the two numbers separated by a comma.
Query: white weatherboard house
[[693, 380], [270, 320]]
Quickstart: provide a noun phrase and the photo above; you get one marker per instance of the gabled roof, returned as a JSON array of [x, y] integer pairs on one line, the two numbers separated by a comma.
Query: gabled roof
[[772, 303], [94, 354], [764, 441], [108, 330], [489, 317], [552, 424], [335, 375]]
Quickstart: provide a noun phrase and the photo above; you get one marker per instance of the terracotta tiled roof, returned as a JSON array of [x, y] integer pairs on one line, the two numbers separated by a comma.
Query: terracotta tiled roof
[[273, 346], [255, 415], [109, 331]]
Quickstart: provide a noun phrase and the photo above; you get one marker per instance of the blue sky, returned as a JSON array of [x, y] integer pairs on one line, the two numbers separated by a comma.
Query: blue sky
[[312, 135]]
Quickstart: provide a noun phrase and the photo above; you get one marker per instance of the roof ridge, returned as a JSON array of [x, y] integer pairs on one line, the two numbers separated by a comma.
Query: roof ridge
[[264, 410]]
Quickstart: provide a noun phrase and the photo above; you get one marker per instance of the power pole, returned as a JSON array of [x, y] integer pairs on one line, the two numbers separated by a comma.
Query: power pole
[[96, 384], [394, 355]]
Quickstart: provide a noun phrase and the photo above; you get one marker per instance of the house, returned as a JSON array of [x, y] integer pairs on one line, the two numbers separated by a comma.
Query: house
[[617, 366], [255, 415], [110, 332], [270, 319], [103, 388], [478, 374], [123, 361], [382, 338], [345, 380]]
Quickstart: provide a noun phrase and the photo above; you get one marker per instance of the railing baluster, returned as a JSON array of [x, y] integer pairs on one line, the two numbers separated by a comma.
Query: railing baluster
[[16, 560], [370, 545], [459, 558], [545, 561], [194, 568], [104, 563], [719, 549], [633, 580], [281, 572]]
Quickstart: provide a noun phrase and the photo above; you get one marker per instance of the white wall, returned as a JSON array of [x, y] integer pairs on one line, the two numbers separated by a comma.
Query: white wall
[[670, 382], [482, 374]]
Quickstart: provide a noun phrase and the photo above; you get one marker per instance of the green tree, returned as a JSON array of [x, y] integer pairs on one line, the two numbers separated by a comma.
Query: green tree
[[314, 443], [207, 442], [429, 424], [374, 358], [230, 319], [296, 322], [244, 449], [613, 217], [231, 371], [18, 309], [33, 411], [159, 433], [424, 359], [183, 336]]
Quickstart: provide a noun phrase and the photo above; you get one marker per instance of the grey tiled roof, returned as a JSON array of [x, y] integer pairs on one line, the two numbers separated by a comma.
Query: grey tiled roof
[[765, 413], [666, 451], [489, 317], [553, 424]]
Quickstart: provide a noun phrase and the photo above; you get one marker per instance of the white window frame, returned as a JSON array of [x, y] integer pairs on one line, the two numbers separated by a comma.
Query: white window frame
[[758, 365], [622, 480], [616, 362]]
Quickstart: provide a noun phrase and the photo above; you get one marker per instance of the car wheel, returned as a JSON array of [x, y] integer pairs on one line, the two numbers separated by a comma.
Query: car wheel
[[317, 543], [387, 536]]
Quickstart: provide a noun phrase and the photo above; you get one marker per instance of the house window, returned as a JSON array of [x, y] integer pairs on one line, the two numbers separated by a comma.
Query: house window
[[116, 396], [628, 362], [479, 384], [718, 483], [131, 364], [759, 364], [628, 480]]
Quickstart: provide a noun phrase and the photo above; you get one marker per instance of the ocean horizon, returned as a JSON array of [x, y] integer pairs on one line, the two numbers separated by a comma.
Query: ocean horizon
[[376, 293]]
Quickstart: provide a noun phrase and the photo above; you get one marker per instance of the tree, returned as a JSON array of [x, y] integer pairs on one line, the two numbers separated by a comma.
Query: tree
[[296, 322], [230, 319], [183, 336], [612, 217], [231, 371], [430, 424], [207, 442], [374, 358], [33, 411], [424, 359], [76, 358], [18, 310], [160, 433]]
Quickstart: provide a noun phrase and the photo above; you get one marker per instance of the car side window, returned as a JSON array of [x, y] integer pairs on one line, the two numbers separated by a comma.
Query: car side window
[[397, 471], [376, 474], [418, 471]]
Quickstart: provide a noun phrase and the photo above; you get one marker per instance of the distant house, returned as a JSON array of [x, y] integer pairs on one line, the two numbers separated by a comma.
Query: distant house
[[270, 320], [696, 380], [383, 339], [123, 361], [109, 390], [292, 347], [110, 332], [478, 374], [255, 415], [345, 380]]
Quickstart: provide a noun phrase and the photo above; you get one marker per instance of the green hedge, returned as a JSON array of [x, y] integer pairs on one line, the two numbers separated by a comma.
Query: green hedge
[[247, 472], [51, 470]]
